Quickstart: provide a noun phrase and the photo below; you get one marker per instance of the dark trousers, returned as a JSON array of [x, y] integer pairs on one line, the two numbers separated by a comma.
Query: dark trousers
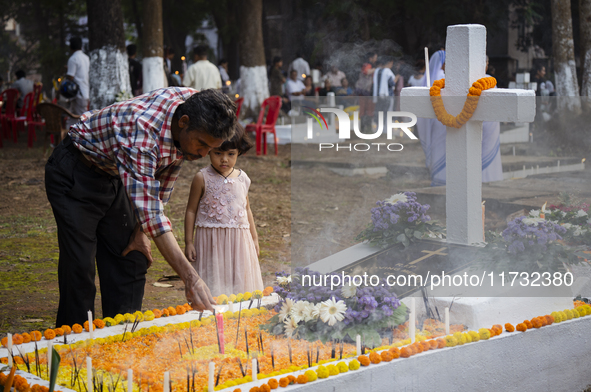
[[95, 221]]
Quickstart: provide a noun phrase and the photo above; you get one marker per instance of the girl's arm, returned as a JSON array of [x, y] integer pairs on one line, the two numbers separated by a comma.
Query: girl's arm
[[253, 228], [197, 187]]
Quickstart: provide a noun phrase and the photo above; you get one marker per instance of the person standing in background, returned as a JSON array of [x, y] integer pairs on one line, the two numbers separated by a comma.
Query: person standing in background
[[135, 70], [335, 76], [78, 68], [202, 74], [299, 65]]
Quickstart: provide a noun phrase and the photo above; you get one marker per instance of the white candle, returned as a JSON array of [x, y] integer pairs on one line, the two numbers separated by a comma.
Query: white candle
[[89, 383], [166, 386], [427, 67], [447, 321], [49, 351], [129, 380], [9, 347], [254, 369], [411, 321], [231, 306], [358, 344], [90, 325], [210, 385]]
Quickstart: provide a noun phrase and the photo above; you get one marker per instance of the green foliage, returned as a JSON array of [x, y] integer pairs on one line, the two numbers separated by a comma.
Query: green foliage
[[55, 364]]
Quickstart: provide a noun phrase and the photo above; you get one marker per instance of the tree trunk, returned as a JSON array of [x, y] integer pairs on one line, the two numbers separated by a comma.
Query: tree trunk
[[153, 63], [585, 26], [253, 71], [564, 55], [109, 70]]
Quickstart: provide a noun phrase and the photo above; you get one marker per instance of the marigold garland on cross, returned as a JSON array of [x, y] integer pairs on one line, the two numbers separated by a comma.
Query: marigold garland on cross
[[469, 106]]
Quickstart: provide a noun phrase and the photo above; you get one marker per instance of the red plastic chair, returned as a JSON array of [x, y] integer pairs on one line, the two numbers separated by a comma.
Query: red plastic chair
[[238, 103], [9, 98], [274, 105], [29, 116]]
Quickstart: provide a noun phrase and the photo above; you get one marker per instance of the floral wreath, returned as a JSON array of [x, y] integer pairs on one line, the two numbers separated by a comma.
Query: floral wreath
[[469, 106]]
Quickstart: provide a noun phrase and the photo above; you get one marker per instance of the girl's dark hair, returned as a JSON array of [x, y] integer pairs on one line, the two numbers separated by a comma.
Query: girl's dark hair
[[238, 142]]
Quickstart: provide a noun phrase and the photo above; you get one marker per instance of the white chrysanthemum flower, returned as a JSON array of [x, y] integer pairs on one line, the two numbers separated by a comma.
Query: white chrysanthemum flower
[[284, 279], [290, 327], [532, 221], [315, 311], [309, 312], [563, 213], [589, 222], [535, 213], [396, 198], [285, 309], [349, 291], [567, 226], [332, 311], [579, 231], [581, 213], [298, 311]]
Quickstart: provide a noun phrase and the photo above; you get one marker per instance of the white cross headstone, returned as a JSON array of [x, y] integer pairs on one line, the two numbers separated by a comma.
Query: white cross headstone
[[465, 63]]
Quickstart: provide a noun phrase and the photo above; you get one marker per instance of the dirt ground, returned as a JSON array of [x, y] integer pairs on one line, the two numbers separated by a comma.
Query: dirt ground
[[28, 238]]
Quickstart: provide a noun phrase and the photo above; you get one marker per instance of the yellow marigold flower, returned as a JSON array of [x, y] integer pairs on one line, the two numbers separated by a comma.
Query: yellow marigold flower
[[110, 339], [128, 317], [587, 309], [255, 312], [569, 314], [467, 337], [138, 316], [149, 315], [312, 376], [582, 312], [129, 335], [343, 368], [354, 365], [484, 333], [263, 311], [120, 319], [100, 341], [563, 316], [460, 338], [222, 299], [575, 313], [206, 321], [557, 316], [228, 315], [246, 313], [239, 297], [232, 298], [332, 370], [322, 372], [257, 294], [420, 338], [247, 295], [109, 322], [450, 341]]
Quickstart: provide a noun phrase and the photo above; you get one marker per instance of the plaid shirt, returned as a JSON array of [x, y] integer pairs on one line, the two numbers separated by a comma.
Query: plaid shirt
[[133, 140]]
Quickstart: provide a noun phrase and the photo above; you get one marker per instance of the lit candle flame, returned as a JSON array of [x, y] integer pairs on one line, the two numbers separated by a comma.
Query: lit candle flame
[[583, 160], [237, 95], [544, 207], [183, 58], [304, 76], [228, 83]]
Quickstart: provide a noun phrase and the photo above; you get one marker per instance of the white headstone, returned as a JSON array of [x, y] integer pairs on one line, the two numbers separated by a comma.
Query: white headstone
[[465, 63]]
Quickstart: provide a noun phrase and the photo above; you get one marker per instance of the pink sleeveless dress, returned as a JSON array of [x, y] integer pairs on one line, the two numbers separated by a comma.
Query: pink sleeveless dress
[[226, 256]]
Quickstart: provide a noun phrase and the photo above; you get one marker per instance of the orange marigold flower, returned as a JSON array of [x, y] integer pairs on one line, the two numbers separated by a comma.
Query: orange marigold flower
[[165, 312], [268, 290], [26, 337], [273, 383], [406, 352], [433, 343], [77, 328], [441, 343], [536, 322], [157, 313], [58, 332], [549, 319], [86, 326], [283, 382], [187, 307], [395, 351], [302, 379], [363, 360], [100, 324], [254, 389], [521, 327], [266, 388], [417, 347], [291, 379], [375, 357], [528, 324], [509, 327], [180, 310], [17, 339], [49, 334], [237, 390], [36, 336], [4, 342], [386, 356], [498, 329], [171, 311], [425, 345], [67, 329]]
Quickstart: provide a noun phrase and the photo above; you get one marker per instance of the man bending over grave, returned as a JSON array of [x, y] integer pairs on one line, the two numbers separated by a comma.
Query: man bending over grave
[[108, 183]]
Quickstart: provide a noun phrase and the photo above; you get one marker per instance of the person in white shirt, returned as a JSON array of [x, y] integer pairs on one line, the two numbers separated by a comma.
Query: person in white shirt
[[202, 75], [23, 85], [301, 66], [416, 80], [294, 87], [78, 67], [335, 76]]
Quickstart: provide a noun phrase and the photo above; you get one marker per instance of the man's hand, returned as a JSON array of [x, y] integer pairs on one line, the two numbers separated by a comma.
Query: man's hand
[[191, 253], [140, 242], [198, 294]]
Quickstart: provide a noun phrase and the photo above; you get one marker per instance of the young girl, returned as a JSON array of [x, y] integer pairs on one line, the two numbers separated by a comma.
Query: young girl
[[225, 249]]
